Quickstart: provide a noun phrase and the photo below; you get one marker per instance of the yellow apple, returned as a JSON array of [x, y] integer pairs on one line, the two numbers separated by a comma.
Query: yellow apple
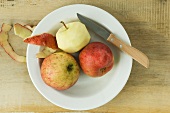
[[60, 70], [72, 37]]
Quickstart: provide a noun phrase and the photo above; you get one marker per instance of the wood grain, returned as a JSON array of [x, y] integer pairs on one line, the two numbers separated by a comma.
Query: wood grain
[[136, 54], [147, 23]]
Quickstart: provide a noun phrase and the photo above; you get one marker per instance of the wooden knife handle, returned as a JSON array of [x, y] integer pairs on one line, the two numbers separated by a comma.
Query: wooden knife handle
[[133, 52]]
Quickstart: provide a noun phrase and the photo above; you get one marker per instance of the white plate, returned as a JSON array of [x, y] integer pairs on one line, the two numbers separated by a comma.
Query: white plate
[[87, 93]]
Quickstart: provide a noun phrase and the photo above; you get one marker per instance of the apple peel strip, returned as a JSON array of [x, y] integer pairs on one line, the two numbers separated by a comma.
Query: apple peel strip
[[46, 52], [30, 27], [44, 39], [22, 31], [6, 46]]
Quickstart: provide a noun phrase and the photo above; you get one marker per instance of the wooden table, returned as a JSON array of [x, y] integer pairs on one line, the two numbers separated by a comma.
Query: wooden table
[[147, 23]]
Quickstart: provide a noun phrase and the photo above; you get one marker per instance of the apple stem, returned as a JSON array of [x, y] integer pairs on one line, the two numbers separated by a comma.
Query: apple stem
[[64, 24]]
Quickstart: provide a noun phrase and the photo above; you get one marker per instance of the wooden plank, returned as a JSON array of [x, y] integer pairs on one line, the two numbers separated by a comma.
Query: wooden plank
[[147, 23]]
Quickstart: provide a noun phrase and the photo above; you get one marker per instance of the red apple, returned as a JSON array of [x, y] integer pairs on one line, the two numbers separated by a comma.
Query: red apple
[[96, 59]]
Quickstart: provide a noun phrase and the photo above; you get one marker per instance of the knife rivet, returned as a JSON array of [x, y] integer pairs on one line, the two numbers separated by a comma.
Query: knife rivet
[[111, 39], [120, 46]]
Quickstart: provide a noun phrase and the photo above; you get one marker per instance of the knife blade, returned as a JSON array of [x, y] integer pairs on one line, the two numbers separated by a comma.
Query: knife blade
[[110, 37]]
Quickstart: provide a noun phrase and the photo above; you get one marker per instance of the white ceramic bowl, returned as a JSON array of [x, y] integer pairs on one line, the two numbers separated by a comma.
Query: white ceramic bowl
[[88, 92]]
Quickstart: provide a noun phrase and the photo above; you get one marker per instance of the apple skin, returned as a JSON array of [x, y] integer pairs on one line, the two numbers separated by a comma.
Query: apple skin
[[96, 59], [60, 70], [5, 44], [22, 31]]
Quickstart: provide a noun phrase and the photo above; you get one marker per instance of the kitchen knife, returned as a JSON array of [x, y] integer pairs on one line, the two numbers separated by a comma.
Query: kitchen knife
[[101, 31]]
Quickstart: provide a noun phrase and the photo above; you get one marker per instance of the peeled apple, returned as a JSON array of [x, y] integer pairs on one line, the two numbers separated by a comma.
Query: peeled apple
[[72, 37]]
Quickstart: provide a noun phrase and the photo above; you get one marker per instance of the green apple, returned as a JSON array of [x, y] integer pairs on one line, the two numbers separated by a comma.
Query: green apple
[[60, 70], [72, 37]]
